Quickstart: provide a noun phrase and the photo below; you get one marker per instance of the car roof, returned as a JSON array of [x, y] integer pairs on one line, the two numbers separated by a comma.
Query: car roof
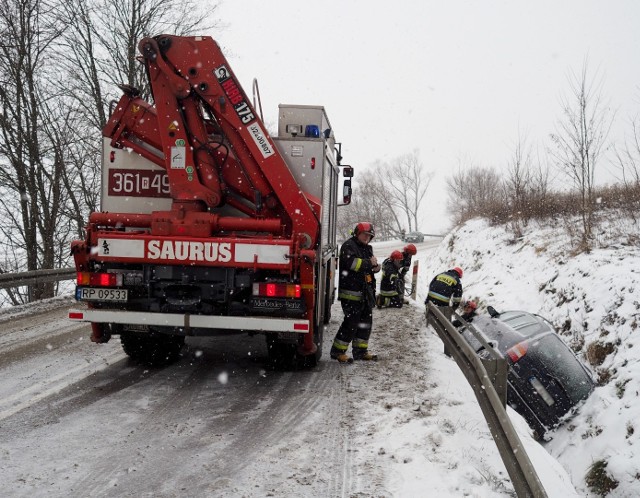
[[511, 327], [526, 324]]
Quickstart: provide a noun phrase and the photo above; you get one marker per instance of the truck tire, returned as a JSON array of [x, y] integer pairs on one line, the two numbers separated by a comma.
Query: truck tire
[[282, 355], [152, 349]]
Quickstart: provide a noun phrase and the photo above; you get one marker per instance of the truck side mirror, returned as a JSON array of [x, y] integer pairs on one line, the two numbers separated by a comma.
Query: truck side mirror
[[346, 192], [347, 171]]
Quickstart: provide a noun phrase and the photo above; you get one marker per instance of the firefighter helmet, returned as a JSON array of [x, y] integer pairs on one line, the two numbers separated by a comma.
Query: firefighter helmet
[[364, 227], [410, 249], [396, 255], [458, 270]]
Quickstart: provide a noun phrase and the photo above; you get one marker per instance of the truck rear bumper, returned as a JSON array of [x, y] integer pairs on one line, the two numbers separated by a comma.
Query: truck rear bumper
[[188, 321]]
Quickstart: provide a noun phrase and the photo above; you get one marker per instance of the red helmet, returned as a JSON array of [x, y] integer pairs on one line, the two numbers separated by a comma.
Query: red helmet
[[364, 227], [458, 270], [410, 249], [470, 304], [396, 255]]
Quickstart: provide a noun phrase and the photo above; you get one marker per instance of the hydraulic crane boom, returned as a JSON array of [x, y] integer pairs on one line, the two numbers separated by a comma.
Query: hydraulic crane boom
[[205, 133]]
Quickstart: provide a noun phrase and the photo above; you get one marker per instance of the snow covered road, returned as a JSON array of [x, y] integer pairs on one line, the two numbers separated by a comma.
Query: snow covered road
[[80, 419]]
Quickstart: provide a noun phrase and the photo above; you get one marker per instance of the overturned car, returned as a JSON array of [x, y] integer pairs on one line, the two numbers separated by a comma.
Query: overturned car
[[545, 379]]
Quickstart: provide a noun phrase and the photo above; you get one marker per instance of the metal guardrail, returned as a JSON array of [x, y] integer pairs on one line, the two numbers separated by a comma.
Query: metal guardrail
[[523, 475], [8, 280]]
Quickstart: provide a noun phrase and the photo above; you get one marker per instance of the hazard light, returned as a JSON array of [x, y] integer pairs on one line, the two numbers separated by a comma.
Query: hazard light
[[276, 290], [312, 131], [99, 279]]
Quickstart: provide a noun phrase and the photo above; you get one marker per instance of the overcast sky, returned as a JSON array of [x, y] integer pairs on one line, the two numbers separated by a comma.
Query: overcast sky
[[455, 80]]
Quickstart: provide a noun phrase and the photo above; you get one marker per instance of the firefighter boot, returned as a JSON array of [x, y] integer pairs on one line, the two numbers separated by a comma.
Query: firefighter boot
[[365, 356], [342, 358]]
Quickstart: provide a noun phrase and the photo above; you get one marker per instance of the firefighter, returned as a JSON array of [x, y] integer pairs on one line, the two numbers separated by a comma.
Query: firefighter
[[408, 251], [356, 292], [469, 309], [445, 289], [392, 283]]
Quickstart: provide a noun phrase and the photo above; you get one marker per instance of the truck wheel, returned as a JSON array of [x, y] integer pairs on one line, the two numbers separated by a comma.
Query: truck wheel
[[282, 355], [152, 349]]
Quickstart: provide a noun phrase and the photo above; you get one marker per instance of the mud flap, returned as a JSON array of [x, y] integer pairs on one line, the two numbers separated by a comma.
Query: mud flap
[[100, 333]]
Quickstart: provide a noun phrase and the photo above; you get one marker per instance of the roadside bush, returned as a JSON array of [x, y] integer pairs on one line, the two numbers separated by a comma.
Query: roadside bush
[[598, 480], [598, 351]]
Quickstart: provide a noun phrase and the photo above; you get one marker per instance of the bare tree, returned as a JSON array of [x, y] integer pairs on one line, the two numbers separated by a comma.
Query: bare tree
[[60, 62], [474, 191], [98, 52], [101, 48], [518, 177], [29, 172], [368, 204], [120, 25], [540, 191], [517, 186], [580, 139], [405, 183], [628, 156]]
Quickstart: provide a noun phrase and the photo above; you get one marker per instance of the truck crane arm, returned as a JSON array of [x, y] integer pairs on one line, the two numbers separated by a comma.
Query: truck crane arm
[[197, 97]]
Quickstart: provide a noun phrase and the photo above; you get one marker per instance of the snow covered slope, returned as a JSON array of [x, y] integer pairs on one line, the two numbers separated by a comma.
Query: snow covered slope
[[594, 301]]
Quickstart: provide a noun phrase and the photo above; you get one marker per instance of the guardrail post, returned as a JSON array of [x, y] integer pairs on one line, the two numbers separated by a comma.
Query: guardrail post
[[497, 371], [414, 279]]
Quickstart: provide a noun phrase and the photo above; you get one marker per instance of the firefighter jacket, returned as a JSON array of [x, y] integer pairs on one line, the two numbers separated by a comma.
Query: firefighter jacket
[[390, 278], [406, 263], [445, 288], [357, 280]]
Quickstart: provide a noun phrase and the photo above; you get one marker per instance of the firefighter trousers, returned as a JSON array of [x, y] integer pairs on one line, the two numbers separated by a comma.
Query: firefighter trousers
[[355, 329]]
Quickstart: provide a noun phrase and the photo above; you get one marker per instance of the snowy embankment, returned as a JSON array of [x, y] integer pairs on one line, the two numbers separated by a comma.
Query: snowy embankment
[[593, 301]]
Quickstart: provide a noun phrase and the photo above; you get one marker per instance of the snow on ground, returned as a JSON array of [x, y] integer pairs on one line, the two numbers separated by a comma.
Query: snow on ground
[[413, 424], [593, 301], [430, 432], [426, 430]]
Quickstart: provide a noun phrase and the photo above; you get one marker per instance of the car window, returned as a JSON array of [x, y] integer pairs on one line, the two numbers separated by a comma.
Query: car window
[[562, 365], [518, 320]]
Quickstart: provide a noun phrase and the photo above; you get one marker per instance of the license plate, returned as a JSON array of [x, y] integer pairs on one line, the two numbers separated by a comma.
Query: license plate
[[93, 294]]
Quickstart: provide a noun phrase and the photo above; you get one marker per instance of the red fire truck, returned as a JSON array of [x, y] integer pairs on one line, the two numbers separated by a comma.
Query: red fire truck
[[208, 223]]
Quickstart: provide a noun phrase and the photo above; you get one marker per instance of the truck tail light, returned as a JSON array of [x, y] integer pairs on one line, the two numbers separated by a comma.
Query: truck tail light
[[518, 351], [277, 290], [99, 279]]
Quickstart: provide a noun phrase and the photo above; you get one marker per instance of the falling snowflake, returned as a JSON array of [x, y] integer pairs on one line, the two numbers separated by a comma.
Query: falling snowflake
[[223, 378]]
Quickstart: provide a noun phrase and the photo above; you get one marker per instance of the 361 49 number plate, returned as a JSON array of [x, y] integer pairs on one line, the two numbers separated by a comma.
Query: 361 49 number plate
[[97, 294]]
